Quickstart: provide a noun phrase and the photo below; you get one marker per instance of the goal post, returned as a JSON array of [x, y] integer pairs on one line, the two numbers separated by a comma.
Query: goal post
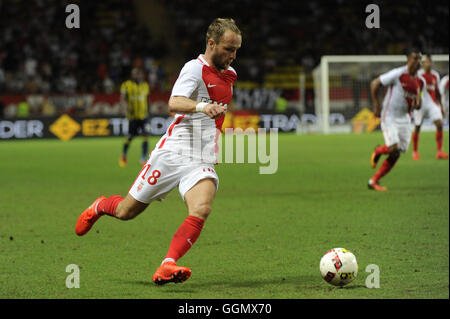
[[342, 84]]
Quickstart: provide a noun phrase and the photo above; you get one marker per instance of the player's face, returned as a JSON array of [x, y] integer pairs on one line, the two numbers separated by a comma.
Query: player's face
[[414, 61], [224, 52], [427, 64]]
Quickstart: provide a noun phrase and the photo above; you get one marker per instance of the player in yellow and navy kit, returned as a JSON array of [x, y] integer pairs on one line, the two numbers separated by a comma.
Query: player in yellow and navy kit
[[134, 93]]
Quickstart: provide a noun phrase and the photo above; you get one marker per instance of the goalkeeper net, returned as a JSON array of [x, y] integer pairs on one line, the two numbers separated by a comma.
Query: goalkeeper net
[[342, 85]]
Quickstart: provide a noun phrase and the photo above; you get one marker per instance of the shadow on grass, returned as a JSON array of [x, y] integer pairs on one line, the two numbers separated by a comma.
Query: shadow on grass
[[196, 286]]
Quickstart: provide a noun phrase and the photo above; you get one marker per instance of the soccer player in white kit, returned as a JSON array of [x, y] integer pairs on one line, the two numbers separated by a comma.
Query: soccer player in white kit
[[431, 108], [402, 96], [443, 90], [185, 156]]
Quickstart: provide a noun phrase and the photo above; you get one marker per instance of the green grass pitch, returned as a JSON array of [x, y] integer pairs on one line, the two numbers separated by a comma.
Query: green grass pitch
[[264, 238]]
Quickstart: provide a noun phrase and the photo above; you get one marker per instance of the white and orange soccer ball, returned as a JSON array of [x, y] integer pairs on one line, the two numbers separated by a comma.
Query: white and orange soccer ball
[[338, 267]]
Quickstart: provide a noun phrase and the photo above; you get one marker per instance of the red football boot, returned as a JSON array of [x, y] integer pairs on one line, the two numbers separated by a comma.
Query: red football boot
[[170, 272], [87, 218]]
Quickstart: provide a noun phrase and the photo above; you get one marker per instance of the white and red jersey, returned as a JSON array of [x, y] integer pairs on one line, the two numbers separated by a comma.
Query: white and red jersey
[[432, 82], [402, 90], [443, 89], [195, 134]]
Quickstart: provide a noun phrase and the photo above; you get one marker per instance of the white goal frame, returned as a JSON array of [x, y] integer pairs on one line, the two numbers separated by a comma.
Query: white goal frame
[[323, 109]]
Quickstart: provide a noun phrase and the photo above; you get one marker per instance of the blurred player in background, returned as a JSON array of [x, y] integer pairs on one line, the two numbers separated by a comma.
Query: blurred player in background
[[134, 92], [431, 108], [403, 95], [443, 90], [199, 98]]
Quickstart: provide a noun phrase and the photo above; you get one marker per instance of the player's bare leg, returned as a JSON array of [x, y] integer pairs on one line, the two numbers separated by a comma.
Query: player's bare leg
[[415, 140], [198, 201], [394, 154], [128, 208], [116, 206], [439, 140]]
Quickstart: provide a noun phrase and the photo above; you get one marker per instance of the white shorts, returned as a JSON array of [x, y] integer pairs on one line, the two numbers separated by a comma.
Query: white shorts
[[397, 133], [166, 170], [429, 110]]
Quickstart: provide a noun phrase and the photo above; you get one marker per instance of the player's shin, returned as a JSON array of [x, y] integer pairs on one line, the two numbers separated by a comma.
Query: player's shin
[[126, 145], [415, 140], [439, 138], [385, 167], [108, 205], [184, 238]]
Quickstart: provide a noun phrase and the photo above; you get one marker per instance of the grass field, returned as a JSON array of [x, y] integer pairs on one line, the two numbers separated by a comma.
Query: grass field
[[264, 239]]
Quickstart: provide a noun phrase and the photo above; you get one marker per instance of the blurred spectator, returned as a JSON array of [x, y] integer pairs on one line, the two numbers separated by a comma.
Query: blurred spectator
[[290, 33], [67, 83], [2, 79], [281, 105], [48, 109], [108, 84], [38, 55], [23, 109], [2, 109], [30, 67]]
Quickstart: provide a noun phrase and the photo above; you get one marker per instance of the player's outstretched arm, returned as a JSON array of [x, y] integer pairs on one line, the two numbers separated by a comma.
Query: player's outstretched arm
[[181, 104], [374, 87]]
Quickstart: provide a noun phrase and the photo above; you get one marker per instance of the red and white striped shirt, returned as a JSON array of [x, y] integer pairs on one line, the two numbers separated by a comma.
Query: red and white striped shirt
[[195, 134], [402, 90]]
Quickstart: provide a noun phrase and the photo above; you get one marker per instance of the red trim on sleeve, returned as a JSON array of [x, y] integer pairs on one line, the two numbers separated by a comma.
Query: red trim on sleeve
[[169, 131]]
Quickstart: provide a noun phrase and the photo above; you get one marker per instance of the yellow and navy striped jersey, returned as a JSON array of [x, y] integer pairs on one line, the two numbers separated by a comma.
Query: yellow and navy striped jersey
[[137, 97]]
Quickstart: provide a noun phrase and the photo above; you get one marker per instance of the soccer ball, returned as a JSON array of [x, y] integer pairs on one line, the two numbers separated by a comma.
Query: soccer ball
[[338, 267]]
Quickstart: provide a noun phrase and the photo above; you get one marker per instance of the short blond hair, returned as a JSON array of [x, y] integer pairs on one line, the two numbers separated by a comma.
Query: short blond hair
[[218, 27]]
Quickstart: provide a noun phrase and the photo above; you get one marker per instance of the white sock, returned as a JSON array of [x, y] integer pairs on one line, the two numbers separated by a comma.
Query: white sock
[[167, 259], [96, 207]]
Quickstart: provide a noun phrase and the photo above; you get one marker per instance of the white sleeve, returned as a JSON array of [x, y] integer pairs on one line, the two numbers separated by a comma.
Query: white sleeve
[[442, 85], [389, 77], [188, 80]]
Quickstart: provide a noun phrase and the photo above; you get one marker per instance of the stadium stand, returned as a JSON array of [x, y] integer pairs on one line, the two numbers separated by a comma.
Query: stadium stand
[[39, 55], [280, 38]]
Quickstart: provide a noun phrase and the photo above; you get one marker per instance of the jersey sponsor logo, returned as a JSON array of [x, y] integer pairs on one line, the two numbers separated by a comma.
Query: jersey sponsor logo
[[211, 85]]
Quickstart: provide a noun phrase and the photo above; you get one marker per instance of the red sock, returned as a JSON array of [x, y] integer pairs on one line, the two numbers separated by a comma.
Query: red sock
[[415, 138], [382, 149], [185, 237], [383, 170], [108, 205], [439, 141]]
